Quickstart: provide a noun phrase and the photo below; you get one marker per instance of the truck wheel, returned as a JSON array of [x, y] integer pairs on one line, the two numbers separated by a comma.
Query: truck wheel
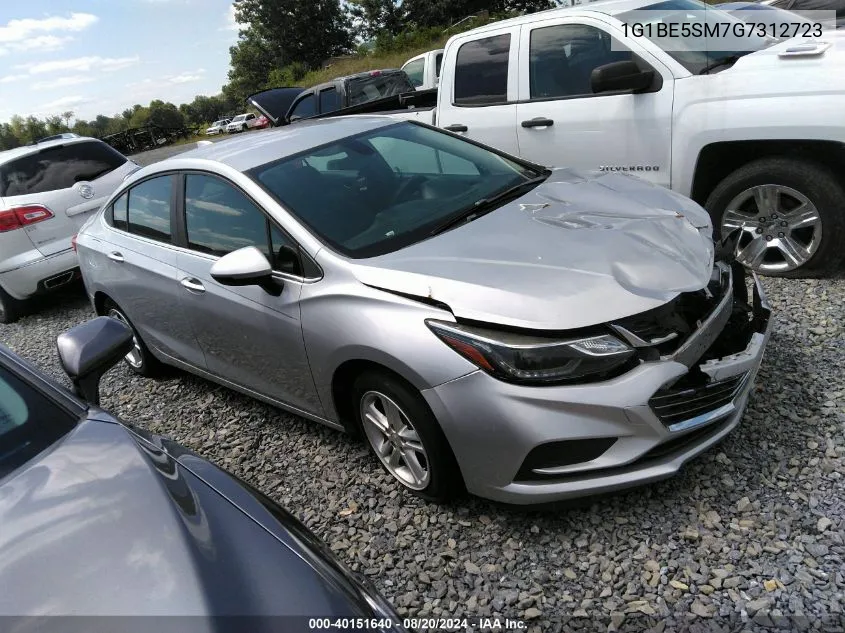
[[10, 308], [790, 215]]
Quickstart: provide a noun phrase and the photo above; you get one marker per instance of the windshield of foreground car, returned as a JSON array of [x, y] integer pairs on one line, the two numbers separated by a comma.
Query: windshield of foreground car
[[29, 422], [380, 191], [696, 53]]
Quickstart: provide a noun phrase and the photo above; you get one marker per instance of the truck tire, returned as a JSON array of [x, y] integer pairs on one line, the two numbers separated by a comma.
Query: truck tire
[[790, 212]]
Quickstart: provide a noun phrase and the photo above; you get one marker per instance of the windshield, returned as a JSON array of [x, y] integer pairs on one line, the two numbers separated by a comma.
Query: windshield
[[749, 12], [240, 117], [29, 422], [380, 191], [696, 48]]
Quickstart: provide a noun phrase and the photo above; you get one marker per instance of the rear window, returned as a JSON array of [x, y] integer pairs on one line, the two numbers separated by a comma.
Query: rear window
[[481, 71], [364, 89], [58, 167]]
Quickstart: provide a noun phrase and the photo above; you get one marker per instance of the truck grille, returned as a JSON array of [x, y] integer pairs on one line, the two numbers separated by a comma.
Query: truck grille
[[674, 406]]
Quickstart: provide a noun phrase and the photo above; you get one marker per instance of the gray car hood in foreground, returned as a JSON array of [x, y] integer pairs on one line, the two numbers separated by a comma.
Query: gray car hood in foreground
[[105, 523], [578, 250]]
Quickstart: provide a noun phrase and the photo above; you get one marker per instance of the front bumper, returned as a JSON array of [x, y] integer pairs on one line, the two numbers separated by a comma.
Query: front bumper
[[607, 436]]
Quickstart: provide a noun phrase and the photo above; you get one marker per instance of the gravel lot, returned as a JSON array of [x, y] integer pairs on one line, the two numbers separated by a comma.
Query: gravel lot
[[749, 536]]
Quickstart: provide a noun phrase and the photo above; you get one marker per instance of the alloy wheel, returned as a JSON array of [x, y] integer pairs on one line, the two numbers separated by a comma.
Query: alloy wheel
[[395, 440], [781, 228], [135, 358]]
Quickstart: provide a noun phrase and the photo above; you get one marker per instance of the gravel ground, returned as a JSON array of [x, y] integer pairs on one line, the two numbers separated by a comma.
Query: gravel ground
[[748, 537]]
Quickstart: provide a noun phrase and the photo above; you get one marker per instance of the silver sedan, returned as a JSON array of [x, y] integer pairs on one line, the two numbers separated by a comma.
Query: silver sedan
[[485, 323]]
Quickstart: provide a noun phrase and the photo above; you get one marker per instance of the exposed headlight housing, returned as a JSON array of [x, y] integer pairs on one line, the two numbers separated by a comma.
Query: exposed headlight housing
[[528, 359]]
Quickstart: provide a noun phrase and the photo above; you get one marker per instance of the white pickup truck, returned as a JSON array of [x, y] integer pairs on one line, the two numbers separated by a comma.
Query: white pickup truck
[[756, 136], [424, 69]]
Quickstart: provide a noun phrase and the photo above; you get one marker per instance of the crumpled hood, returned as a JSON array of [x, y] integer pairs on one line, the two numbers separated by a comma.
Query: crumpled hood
[[580, 249]]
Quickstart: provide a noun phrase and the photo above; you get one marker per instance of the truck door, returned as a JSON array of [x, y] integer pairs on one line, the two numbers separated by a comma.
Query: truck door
[[479, 99], [562, 123]]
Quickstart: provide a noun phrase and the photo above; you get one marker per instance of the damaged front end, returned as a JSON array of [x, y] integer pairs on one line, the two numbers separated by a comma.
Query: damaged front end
[[718, 332]]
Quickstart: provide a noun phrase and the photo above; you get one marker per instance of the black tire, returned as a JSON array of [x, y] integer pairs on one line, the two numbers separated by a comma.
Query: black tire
[[11, 309], [445, 481], [149, 366], [817, 183]]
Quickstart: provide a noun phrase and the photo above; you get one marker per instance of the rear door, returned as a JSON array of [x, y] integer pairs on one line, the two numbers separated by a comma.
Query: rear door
[[137, 267], [480, 100], [72, 180]]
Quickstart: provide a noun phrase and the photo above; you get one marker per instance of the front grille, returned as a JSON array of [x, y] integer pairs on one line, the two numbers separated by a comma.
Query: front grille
[[667, 327], [673, 406]]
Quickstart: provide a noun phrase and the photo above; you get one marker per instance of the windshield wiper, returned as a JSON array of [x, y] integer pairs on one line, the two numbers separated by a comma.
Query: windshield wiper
[[486, 205], [727, 60]]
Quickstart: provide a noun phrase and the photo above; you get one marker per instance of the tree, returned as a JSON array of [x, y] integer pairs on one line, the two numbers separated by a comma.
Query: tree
[[165, 115], [429, 13], [277, 33], [67, 116], [377, 17]]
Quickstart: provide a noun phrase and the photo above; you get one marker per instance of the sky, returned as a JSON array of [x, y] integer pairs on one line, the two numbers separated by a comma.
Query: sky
[[103, 56]]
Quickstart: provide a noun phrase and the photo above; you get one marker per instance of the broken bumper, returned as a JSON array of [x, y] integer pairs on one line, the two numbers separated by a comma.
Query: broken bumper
[[525, 445]]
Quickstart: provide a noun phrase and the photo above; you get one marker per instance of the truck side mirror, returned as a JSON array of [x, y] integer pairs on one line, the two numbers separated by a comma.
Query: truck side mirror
[[620, 76]]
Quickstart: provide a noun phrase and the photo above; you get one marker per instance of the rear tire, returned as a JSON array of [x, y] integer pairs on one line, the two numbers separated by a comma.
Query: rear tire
[[140, 360], [11, 309], [744, 198], [405, 436]]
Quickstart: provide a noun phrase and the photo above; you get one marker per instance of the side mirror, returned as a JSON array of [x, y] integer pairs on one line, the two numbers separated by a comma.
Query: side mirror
[[245, 267], [619, 76], [89, 350]]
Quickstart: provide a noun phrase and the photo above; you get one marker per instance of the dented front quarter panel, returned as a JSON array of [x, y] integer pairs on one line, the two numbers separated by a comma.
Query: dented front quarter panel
[[579, 250]]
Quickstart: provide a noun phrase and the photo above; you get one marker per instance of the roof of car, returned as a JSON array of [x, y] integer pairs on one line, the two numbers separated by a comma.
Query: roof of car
[[18, 152], [248, 151]]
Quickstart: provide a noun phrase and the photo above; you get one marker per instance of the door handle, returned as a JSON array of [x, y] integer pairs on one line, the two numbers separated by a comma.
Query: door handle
[[457, 127], [193, 285], [116, 257], [538, 122]]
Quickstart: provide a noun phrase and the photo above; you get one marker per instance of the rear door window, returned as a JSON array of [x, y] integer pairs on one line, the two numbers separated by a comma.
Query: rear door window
[[329, 100], [149, 208], [58, 167], [481, 71], [415, 71]]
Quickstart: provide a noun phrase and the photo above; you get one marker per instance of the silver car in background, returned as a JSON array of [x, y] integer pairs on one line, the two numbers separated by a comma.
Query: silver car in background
[[47, 191], [527, 334]]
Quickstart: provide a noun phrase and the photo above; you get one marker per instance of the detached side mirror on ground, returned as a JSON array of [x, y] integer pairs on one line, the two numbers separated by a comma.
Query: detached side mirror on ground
[[89, 350], [619, 76], [245, 267]]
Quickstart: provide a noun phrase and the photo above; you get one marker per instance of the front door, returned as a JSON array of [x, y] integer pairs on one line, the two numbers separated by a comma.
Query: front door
[[562, 123], [250, 337]]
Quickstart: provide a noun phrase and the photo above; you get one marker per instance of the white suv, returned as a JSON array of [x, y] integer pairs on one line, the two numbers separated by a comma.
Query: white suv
[[242, 123], [47, 191]]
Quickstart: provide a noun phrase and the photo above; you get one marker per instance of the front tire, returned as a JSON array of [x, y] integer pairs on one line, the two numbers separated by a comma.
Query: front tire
[[790, 215], [405, 436], [140, 360], [11, 309]]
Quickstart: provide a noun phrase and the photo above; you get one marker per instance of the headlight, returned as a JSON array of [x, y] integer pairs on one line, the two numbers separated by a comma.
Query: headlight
[[531, 359]]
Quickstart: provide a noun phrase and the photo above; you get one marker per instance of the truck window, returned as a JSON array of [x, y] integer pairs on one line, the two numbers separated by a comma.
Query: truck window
[[563, 58], [481, 71], [329, 100], [438, 63], [305, 108], [415, 71], [377, 86]]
